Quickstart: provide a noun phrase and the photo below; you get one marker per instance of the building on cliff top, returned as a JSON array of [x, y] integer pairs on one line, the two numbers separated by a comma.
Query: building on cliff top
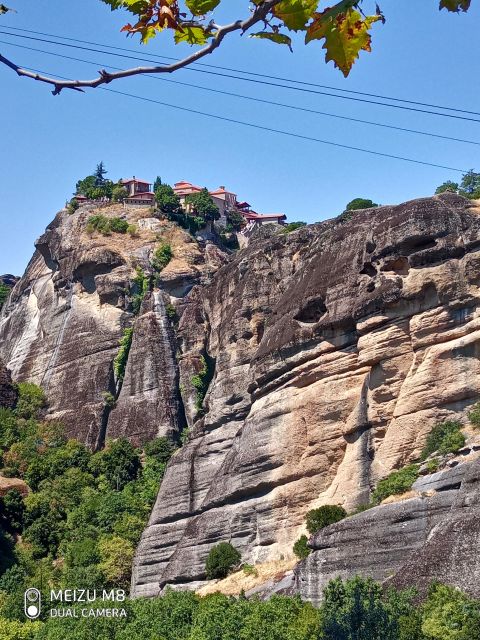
[[139, 192], [226, 202]]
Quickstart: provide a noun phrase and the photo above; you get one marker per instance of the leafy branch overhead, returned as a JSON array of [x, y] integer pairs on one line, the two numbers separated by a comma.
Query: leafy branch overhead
[[344, 29]]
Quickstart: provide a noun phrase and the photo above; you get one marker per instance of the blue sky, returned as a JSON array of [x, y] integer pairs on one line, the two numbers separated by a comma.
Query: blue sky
[[48, 142]]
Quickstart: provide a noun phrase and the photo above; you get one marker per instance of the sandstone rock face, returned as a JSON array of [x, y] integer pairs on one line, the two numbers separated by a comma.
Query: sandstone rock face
[[412, 542], [331, 352], [62, 325], [8, 393], [306, 367]]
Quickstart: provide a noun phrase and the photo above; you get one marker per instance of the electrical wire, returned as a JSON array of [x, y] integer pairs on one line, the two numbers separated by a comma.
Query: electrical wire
[[255, 99], [263, 82], [269, 129], [251, 73]]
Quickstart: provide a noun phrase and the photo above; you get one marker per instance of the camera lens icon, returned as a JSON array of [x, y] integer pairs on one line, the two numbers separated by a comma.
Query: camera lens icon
[[32, 601]]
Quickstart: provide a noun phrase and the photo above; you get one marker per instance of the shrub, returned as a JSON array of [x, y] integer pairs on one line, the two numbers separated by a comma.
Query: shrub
[[120, 362], [132, 230], [445, 437], [200, 383], [105, 225], [118, 225], [116, 556], [360, 203], [4, 293], [162, 256], [221, 560], [31, 400], [171, 311], [141, 284], [72, 206], [396, 483], [301, 548], [293, 226], [250, 570], [323, 516], [161, 449], [474, 415], [448, 614]]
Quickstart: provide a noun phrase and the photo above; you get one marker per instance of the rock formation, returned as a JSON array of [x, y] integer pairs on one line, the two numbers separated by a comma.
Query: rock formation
[[412, 542], [334, 351], [62, 325], [326, 356]]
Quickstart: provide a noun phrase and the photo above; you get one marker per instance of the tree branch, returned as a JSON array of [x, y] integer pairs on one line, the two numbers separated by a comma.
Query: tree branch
[[259, 14]]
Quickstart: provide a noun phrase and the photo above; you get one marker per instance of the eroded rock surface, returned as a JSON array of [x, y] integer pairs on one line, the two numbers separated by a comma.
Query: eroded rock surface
[[332, 351], [412, 542], [63, 322]]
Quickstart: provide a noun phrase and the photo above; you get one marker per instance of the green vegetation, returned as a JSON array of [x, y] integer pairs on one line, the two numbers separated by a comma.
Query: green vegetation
[[105, 225], [119, 192], [203, 206], [4, 293], [141, 285], [72, 206], [317, 519], [96, 186], [120, 362], [85, 512], [444, 438], [293, 226], [469, 186], [473, 416], [167, 200], [171, 311], [162, 256], [396, 483], [221, 560], [301, 548], [355, 609], [235, 220], [200, 383], [360, 203], [249, 570]]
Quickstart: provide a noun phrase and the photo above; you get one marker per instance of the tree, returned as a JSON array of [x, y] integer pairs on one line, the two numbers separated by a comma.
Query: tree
[[235, 219], [360, 203], [355, 610], [449, 186], [157, 183], [167, 200], [118, 462], [323, 516], [119, 193], [203, 206], [470, 184], [100, 173], [343, 29], [221, 560]]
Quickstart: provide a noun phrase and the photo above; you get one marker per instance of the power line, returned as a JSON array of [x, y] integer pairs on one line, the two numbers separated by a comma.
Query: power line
[[251, 80], [270, 129], [255, 99], [251, 73]]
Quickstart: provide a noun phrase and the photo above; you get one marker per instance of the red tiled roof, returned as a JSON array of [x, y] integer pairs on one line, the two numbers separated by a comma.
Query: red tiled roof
[[130, 180], [221, 191], [252, 215]]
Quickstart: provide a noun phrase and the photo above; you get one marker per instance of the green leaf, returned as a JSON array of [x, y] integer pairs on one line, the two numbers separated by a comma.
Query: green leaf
[[455, 5], [345, 36], [295, 13], [201, 7], [192, 35], [278, 38]]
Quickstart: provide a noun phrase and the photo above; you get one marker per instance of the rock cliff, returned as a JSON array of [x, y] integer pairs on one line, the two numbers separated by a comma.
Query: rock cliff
[[64, 319], [306, 367], [334, 350]]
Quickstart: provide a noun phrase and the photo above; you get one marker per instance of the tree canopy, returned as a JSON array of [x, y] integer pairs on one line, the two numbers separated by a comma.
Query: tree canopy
[[469, 187], [344, 29]]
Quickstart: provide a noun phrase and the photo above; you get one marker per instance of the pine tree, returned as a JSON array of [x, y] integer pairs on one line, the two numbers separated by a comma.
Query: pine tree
[[100, 173]]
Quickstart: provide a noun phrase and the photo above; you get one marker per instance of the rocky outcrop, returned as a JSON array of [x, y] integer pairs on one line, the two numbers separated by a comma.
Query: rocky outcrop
[[332, 352], [64, 319], [306, 367], [412, 542], [8, 393]]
